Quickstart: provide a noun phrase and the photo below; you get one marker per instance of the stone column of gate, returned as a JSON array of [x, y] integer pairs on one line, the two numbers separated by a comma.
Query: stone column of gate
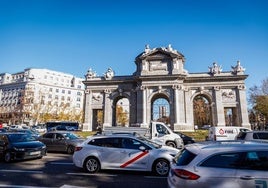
[[108, 111], [189, 110], [87, 125], [220, 118], [139, 106], [144, 107], [179, 110], [243, 106]]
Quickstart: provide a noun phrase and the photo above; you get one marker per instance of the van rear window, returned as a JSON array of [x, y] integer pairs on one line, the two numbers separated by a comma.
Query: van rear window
[[184, 157]]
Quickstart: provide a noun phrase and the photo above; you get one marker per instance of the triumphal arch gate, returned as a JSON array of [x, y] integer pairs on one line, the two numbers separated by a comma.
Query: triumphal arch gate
[[160, 76]]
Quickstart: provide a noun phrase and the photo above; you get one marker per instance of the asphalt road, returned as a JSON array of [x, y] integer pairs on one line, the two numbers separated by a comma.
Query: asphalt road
[[56, 170]]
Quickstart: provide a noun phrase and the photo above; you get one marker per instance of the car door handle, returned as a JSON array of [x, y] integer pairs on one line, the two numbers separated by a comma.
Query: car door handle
[[247, 177]]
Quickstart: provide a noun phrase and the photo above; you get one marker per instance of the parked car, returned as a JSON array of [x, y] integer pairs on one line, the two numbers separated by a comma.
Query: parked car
[[12, 127], [20, 146], [61, 141], [236, 164], [3, 130], [31, 132], [186, 139], [39, 128], [123, 152], [253, 135]]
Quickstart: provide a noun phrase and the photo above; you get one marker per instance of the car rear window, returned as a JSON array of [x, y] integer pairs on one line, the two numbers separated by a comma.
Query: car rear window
[[263, 136], [184, 157], [106, 142], [223, 160]]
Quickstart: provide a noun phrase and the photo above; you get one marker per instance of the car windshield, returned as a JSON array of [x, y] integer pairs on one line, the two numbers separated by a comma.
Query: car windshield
[[70, 136], [20, 138], [148, 142]]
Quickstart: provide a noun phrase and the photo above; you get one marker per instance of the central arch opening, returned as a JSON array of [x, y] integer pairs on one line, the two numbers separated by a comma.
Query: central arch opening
[[160, 109]]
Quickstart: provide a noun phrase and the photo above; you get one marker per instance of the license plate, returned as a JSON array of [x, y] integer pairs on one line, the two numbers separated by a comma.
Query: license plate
[[35, 153]]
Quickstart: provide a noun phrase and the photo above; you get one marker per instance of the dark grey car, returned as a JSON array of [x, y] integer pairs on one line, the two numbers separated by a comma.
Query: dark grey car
[[61, 141]]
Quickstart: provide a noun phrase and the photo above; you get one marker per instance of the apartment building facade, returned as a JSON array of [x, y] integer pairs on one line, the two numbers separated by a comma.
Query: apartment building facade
[[35, 95]]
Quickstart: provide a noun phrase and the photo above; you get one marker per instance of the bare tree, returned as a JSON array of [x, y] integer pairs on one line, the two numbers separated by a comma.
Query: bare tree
[[258, 99]]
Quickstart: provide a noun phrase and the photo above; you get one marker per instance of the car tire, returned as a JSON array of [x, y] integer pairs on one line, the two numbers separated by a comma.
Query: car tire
[[70, 149], [161, 167], [92, 165], [7, 157], [171, 144]]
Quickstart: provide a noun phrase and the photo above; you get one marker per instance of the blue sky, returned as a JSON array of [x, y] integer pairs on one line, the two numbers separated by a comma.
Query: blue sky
[[74, 35]]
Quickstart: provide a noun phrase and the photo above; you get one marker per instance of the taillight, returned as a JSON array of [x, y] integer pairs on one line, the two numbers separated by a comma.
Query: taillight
[[78, 148], [184, 174]]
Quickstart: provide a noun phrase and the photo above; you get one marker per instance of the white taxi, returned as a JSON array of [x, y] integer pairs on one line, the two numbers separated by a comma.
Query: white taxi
[[123, 152], [222, 164]]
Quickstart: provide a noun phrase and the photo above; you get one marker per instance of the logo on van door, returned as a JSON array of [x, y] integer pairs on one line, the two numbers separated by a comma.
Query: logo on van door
[[221, 131]]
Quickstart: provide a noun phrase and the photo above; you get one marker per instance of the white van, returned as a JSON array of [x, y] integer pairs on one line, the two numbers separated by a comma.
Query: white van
[[157, 132], [224, 132]]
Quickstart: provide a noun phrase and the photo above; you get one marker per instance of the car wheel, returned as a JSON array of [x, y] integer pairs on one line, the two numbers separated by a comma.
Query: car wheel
[[92, 165], [161, 167], [171, 144], [7, 157], [70, 149]]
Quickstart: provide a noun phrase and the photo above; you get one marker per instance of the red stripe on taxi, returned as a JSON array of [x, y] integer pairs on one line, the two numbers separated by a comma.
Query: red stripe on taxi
[[134, 159]]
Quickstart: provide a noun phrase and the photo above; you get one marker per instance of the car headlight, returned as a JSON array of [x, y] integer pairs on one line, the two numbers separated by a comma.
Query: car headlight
[[44, 147], [19, 149]]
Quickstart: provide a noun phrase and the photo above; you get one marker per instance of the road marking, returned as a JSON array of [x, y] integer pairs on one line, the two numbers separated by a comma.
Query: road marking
[[21, 186], [22, 171], [60, 163], [87, 174], [155, 177]]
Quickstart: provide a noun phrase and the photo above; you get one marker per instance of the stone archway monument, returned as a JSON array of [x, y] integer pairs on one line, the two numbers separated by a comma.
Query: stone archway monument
[[160, 72]]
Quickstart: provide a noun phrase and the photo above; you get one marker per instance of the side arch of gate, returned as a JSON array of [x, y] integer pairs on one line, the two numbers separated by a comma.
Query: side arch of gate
[[210, 100], [115, 98]]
